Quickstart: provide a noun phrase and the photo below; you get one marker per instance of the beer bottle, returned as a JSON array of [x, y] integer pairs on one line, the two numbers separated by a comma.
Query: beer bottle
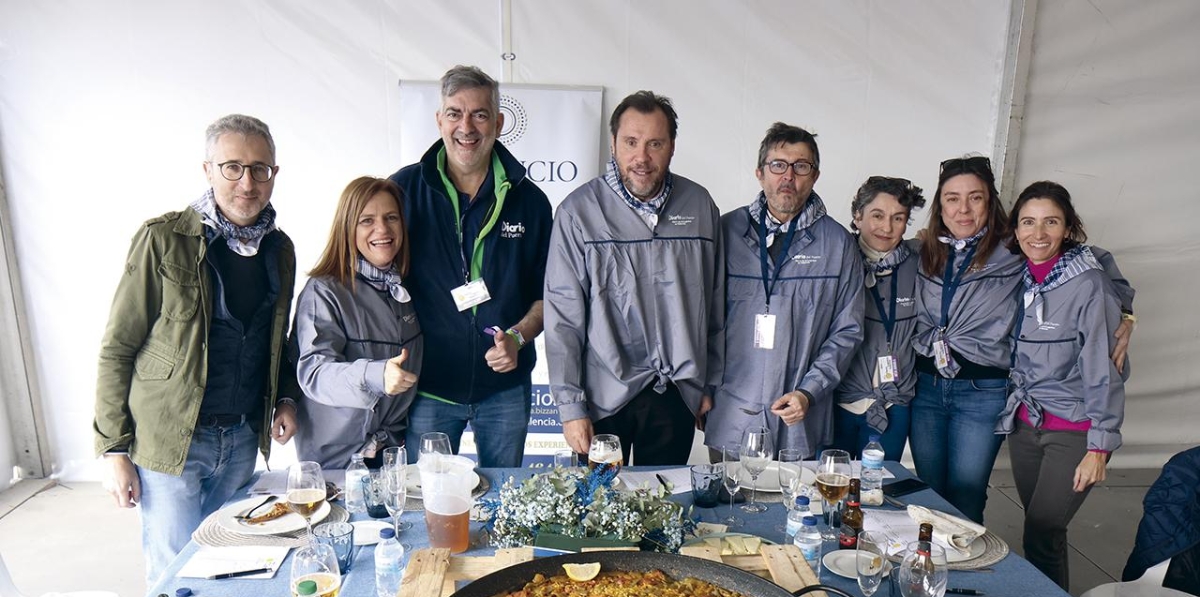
[[852, 518], [925, 532]]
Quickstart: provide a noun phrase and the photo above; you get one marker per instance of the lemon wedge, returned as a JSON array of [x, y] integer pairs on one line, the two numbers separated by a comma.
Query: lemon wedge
[[582, 572]]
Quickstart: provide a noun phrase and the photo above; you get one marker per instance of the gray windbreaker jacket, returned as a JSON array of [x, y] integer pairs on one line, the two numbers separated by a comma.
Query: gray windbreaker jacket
[[818, 305], [627, 308], [340, 341], [1062, 363]]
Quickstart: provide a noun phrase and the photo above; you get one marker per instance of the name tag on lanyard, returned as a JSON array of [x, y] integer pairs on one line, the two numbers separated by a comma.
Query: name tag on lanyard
[[941, 354], [888, 369], [470, 294], [764, 331]]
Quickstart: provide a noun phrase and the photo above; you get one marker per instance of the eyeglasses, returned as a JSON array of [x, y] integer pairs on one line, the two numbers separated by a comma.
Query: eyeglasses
[[800, 168], [235, 171], [967, 163]]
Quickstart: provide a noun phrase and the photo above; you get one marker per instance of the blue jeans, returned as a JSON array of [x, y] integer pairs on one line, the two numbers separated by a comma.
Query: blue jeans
[[953, 437], [851, 432], [219, 461], [499, 421]]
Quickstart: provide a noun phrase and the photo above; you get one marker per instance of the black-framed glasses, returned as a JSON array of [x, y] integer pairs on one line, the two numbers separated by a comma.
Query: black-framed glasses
[[801, 168], [234, 171], [967, 163]]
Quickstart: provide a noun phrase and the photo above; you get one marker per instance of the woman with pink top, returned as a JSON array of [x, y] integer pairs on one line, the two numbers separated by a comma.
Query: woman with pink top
[[1066, 398]]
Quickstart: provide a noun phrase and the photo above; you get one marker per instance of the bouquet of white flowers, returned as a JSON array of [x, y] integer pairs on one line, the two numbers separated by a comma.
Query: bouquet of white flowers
[[578, 503]]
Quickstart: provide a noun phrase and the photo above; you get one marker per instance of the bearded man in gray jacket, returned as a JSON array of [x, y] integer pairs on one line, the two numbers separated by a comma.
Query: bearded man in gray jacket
[[635, 295]]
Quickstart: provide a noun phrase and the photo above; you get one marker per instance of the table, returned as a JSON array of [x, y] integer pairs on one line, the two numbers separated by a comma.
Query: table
[[1012, 576]]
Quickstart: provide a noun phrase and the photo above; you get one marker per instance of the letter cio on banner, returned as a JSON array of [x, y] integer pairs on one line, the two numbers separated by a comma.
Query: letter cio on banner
[[555, 132]]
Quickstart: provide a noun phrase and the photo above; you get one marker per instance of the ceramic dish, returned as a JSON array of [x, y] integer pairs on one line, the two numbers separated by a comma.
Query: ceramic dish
[[841, 562], [227, 518]]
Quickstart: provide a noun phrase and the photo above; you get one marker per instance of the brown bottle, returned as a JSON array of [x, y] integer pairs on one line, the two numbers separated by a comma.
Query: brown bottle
[[925, 532], [852, 518]]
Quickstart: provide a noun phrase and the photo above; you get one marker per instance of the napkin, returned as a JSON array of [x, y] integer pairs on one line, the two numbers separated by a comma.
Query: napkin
[[949, 530]]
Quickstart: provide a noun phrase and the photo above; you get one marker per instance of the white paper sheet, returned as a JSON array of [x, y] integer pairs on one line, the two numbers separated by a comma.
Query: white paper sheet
[[680, 479], [211, 561]]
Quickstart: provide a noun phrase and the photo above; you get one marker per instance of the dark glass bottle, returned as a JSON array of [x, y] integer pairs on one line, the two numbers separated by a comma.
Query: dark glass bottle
[[852, 518]]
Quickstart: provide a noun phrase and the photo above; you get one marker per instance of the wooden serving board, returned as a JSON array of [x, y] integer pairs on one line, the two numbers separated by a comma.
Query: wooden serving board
[[434, 572]]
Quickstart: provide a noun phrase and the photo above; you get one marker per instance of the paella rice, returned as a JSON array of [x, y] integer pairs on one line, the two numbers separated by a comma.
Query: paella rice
[[653, 583]]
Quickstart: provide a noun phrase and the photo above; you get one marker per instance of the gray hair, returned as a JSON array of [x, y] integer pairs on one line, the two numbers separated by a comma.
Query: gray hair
[[470, 77], [786, 134], [238, 124]]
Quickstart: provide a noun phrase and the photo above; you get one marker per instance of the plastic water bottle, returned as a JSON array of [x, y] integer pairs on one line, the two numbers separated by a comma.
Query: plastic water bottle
[[872, 473], [796, 516], [389, 564], [808, 539], [354, 487]]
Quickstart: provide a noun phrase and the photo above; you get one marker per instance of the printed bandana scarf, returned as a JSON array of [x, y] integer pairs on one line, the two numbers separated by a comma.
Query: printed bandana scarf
[[382, 280], [1071, 264], [877, 263], [813, 210], [243, 240], [647, 210]]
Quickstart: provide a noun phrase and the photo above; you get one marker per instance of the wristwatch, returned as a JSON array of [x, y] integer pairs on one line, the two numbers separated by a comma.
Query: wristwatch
[[515, 334]]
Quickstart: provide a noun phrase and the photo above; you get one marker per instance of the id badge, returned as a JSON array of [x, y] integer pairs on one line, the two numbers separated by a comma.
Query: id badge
[[470, 294], [887, 369], [764, 331], [941, 354]]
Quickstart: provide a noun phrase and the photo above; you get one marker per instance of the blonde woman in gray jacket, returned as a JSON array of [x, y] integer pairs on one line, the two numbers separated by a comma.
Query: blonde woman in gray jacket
[[1066, 397]]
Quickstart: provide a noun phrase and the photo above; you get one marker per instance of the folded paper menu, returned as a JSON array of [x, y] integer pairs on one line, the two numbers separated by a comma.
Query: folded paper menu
[[209, 562], [950, 530]]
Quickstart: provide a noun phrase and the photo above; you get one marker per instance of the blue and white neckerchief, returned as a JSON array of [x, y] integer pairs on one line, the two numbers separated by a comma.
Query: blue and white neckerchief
[[960, 244], [877, 264], [647, 210], [1072, 263], [813, 210], [243, 240], [383, 280]]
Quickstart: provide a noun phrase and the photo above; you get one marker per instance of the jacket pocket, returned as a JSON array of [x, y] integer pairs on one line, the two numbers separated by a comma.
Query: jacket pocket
[[180, 291], [153, 364]]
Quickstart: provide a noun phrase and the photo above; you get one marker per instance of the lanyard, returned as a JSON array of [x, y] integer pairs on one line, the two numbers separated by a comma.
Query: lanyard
[[952, 282], [889, 319], [768, 280], [501, 186]]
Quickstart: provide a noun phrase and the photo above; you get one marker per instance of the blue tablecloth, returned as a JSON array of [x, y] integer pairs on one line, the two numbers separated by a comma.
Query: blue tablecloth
[[1012, 576]]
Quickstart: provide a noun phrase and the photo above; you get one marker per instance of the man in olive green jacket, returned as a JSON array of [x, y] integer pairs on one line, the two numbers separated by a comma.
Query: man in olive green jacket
[[192, 361]]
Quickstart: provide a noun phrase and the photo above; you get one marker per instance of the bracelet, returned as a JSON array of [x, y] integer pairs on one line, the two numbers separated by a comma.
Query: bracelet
[[515, 334], [1130, 317]]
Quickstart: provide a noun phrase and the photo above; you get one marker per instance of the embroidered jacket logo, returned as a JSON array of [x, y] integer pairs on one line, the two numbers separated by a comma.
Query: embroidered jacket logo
[[802, 259], [512, 230], [677, 220]]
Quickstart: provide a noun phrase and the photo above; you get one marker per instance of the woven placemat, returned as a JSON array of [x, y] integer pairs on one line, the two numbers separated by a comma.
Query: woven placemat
[[212, 534], [994, 550], [414, 504]]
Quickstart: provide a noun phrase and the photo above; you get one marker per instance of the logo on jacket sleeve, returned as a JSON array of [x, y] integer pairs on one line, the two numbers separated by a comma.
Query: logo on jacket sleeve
[[516, 230]]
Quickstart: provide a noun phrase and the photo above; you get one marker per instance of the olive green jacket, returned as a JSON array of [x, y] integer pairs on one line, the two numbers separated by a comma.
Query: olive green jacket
[[153, 358]]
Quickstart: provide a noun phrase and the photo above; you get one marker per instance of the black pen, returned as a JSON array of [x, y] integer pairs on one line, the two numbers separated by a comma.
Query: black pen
[[237, 574], [954, 591]]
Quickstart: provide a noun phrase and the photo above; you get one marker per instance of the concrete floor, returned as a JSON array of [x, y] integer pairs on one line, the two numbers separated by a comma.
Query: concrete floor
[[69, 537]]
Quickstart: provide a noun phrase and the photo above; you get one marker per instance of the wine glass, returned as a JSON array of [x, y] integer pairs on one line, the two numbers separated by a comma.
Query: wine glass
[[605, 451], [434, 442], [395, 493], [306, 492], [833, 481], [923, 572], [732, 481], [756, 455], [315, 563], [396, 459], [789, 477], [870, 561]]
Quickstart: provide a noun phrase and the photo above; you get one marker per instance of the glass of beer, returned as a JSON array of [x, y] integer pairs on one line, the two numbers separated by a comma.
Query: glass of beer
[[306, 491], [315, 571], [605, 451], [833, 481]]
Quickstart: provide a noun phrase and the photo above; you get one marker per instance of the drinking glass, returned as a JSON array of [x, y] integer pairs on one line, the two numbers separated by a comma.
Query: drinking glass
[[732, 481], [565, 459], [605, 451], [756, 455], [306, 492], [833, 481], [395, 493], [395, 460], [435, 442], [921, 575], [870, 561], [706, 485], [316, 563], [789, 478]]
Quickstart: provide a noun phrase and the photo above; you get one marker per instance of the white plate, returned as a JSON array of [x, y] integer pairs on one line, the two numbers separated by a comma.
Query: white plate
[[226, 517], [413, 482], [976, 549], [768, 480], [841, 562], [366, 532]]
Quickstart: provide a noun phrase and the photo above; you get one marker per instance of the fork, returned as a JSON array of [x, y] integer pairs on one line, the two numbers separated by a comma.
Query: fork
[[247, 515]]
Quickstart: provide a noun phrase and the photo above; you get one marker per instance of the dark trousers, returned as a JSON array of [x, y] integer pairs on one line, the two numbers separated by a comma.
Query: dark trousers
[[659, 427], [1043, 464]]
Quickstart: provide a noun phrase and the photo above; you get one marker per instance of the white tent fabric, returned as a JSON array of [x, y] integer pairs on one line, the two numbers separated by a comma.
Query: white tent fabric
[[103, 108]]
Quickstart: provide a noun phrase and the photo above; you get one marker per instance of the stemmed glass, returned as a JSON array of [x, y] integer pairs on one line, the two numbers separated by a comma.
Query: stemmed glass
[[316, 563], [395, 493], [870, 561], [306, 493], [605, 451], [434, 442], [833, 481], [756, 455], [396, 458], [733, 482], [789, 477], [923, 574]]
